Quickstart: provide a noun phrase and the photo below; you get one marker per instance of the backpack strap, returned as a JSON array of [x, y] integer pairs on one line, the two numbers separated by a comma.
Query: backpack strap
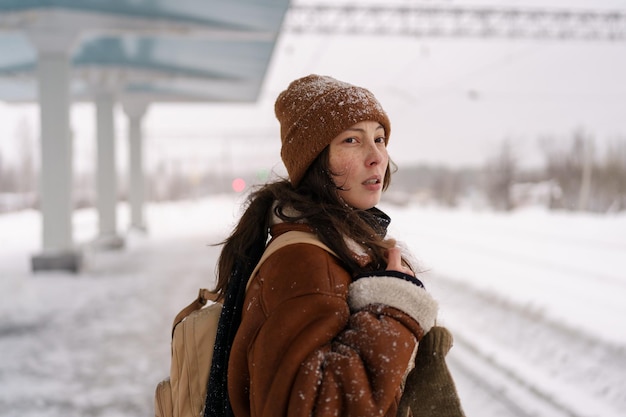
[[204, 295], [288, 238]]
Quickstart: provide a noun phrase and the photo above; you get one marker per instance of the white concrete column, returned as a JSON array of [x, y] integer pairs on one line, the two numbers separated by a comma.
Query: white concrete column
[[135, 110], [106, 178], [56, 200]]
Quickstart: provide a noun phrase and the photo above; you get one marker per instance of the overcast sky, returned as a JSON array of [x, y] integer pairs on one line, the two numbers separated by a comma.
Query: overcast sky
[[450, 101]]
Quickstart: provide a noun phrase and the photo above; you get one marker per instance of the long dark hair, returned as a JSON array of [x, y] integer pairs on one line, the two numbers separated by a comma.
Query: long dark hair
[[316, 202]]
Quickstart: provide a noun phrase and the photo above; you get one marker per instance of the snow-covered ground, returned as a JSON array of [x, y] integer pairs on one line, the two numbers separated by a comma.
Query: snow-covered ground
[[532, 297]]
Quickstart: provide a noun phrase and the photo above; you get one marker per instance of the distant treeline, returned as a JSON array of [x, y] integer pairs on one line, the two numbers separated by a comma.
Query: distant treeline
[[576, 175]]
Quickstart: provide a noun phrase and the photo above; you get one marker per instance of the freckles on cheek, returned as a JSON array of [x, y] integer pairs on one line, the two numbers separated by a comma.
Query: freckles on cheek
[[340, 171], [344, 161], [337, 165]]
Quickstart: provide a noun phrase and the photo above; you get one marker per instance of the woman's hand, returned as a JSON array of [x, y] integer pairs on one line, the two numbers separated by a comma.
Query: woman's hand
[[394, 261]]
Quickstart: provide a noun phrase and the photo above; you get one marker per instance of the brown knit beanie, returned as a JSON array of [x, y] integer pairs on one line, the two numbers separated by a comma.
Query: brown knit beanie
[[313, 110]]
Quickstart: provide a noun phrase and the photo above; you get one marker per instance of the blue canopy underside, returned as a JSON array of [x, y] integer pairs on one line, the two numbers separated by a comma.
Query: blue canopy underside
[[227, 67]]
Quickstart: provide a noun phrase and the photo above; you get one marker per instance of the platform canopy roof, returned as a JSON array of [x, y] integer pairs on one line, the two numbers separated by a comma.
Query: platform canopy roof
[[164, 50]]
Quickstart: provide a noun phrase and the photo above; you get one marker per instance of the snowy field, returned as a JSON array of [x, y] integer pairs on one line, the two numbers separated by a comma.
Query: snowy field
[[535, 300]]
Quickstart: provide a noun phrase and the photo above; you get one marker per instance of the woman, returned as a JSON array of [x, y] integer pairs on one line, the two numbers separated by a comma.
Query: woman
[[318, 333]]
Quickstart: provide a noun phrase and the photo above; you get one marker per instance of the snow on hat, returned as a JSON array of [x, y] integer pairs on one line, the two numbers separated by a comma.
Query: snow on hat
[[313, 110]]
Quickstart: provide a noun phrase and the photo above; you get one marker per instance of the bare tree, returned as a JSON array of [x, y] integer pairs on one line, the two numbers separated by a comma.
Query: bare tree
[[500, 172], [570, 166], [584, 145], [447, 187], [610, 179], [8, 176], [587, 180]]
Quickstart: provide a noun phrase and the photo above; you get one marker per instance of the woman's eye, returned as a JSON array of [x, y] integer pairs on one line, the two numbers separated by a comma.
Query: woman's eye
[[380, 140], [350, 140]]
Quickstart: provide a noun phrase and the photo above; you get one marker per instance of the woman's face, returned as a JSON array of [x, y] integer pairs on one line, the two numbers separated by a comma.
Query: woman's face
[[358, 160]]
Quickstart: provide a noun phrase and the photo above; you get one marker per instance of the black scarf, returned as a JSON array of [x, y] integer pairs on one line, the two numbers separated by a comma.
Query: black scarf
[[217, 403], [378, 219]]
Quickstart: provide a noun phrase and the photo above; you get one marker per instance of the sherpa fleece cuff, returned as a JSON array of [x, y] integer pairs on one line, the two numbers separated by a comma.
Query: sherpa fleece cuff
[[394, 292]]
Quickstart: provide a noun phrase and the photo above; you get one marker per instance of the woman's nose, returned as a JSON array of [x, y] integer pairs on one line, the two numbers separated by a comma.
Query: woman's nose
[[374, 155]]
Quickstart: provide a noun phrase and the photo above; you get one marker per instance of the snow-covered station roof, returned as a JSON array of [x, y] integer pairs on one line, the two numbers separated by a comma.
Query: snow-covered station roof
[[164, 50]]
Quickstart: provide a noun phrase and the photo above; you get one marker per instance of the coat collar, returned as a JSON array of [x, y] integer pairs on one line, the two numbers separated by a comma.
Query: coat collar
[[374, 216]]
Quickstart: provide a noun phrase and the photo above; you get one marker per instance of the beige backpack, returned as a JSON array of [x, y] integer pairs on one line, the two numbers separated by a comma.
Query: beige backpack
[[193, 336]]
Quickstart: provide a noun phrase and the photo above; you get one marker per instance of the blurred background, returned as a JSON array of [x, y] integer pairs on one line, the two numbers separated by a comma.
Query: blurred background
[[132, 131], [497, 118]]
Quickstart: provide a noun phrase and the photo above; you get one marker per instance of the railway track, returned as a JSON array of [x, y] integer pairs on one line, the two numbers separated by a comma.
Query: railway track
[[514, 396], [529, 364]]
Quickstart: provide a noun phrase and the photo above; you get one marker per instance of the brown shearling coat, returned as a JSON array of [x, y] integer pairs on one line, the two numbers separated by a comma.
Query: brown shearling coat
[[304, 349]]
